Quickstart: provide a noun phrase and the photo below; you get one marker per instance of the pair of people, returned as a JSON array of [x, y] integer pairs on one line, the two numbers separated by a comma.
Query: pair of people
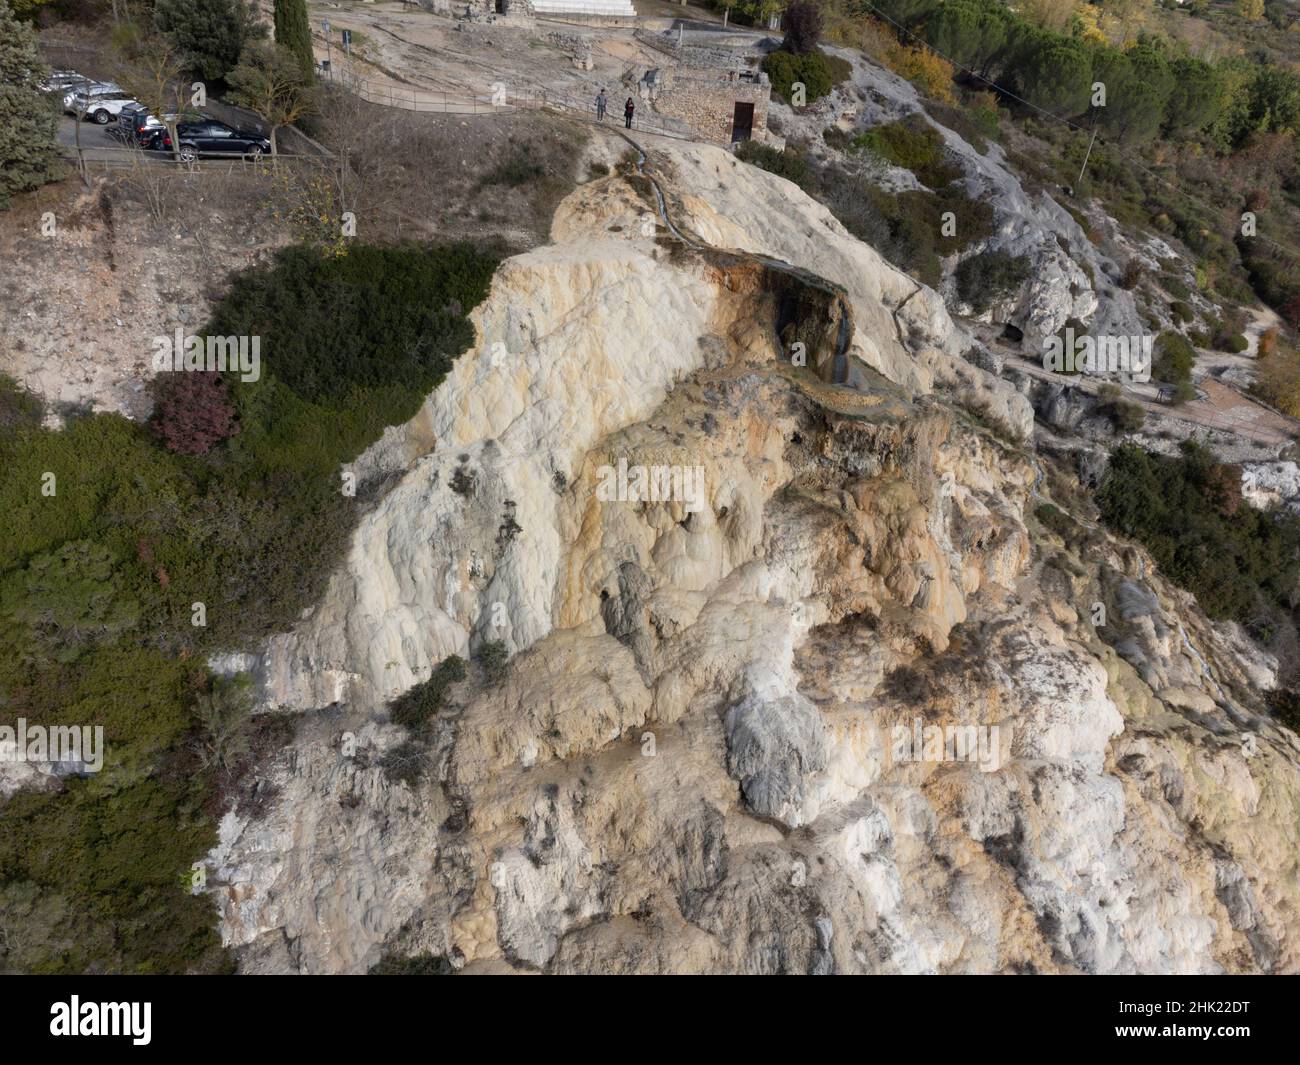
[[602, 104]]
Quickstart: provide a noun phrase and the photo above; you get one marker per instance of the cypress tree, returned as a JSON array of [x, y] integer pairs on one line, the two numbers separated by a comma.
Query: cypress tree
[[293, 33]]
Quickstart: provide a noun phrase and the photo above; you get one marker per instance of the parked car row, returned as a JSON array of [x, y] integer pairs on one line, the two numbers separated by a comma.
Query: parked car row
[[198, 135], [201, 136]]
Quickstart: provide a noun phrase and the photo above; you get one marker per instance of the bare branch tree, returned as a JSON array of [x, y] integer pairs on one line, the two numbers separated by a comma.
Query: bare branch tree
[[154, 73], [269, 82]]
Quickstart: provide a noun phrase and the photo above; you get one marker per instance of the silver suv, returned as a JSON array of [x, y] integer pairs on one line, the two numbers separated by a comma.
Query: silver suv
[[101, 107]]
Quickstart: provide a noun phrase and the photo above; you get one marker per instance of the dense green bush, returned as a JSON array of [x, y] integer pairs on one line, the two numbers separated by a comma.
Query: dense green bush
[[1125, 415], [378, 317], [818, 72], [412, 965], [1174, 358], [1175, 286], [100, 574], [786, 163], [906, 227], [1241, 563], [988, 276], [913, 144], [19, 409], [495, 660]]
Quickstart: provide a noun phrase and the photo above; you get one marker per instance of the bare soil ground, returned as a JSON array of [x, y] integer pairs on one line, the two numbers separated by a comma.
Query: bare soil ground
[[495, 177], [134, 256], [84, 302]]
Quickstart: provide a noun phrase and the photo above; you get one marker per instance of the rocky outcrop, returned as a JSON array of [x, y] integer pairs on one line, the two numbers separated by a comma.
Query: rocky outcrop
[[1068, 276], [832, 701]]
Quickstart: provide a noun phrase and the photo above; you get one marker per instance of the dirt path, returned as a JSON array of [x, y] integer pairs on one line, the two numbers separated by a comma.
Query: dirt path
[[1220, 407]]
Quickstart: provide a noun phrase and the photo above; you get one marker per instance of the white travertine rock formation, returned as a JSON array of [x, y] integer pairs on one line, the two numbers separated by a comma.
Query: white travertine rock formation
[[712, 750]]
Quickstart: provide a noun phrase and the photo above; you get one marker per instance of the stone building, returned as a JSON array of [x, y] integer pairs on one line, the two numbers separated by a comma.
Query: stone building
[[727, 106]]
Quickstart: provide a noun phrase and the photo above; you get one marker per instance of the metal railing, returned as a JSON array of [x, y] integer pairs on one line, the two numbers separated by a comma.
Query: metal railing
[[586, 109], [89, 158]]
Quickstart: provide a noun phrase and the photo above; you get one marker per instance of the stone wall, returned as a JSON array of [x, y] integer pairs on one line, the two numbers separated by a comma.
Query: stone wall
[[707, 105]]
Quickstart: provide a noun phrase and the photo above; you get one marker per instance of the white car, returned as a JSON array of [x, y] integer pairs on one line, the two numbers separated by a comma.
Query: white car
[[93, 88], [65, 82], [102, 107]]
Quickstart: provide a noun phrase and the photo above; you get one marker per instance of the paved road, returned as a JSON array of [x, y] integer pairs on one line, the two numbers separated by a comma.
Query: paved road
[[92, 135]]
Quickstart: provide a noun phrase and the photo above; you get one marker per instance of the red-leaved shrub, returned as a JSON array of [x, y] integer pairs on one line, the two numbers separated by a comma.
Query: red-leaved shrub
[[192, 411]]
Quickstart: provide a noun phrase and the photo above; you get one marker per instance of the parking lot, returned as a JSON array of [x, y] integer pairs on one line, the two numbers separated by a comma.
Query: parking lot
[[92, 135]]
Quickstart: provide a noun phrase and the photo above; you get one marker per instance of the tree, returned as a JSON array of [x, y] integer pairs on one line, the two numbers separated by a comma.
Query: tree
[[27, 10], [1056, 75], [71, 599], [971, 32], [1196, 98], [209, 34], [803, 27], [293, 33], [28, 125], [420, 704], [1054, 15], [225, 715], [270, 83], [154, 75], [1124, 19], [1139, 84]]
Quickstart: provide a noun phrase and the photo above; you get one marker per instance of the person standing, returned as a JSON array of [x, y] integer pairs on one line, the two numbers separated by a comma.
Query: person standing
[[629, 109], [602, 102]]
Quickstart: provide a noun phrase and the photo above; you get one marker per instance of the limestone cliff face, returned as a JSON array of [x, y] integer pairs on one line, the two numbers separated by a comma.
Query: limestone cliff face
[[838, 704]]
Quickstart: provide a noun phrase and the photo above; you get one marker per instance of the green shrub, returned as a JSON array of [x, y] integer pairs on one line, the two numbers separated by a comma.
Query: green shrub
[[1125, 415], [1188, 512], [818, 72], [1174, 286], [419, 704], [976, 125], [913, 144], [376, 318], [19, 409], [412, 965], [786, 163], [1234, 344], [100, 575], [988, 276], [519, 169], [907, 227], [495, 660], [1180, 312], [1055, 520], [1174, 358]]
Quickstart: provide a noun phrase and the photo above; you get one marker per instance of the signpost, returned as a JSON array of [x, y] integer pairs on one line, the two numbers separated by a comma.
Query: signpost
[[329, 51]]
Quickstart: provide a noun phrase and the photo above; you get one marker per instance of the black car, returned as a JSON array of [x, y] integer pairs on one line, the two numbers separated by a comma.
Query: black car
[[207, 136], [135, 126]]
